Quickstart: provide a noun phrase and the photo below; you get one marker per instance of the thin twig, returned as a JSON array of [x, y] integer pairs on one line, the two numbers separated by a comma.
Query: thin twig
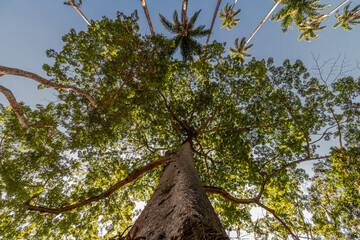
[[328, 93]]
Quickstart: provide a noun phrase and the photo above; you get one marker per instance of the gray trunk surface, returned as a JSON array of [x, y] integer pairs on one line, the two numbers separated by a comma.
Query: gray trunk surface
[[179, 207]]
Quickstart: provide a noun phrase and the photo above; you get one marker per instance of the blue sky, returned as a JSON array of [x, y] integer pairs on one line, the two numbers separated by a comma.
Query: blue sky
[[29, 28]]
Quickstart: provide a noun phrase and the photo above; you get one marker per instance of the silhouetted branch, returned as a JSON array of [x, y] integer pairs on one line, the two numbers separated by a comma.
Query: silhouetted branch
[[328, 91]]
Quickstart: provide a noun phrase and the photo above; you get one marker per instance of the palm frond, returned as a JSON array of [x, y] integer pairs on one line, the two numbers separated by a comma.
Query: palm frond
[[167, 24], [194, 18]]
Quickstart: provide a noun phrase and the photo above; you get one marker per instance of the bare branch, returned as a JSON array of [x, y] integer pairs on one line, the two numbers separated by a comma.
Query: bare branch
[[323, 135], [18, 111], [328, 92], [81, 14], [131, 177], [2, 140]]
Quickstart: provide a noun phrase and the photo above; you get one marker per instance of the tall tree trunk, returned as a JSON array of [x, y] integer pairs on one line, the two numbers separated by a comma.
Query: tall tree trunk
[[179, 207], [184, 18], [143, 4], [263, 21], [213, 20], [78, 10]]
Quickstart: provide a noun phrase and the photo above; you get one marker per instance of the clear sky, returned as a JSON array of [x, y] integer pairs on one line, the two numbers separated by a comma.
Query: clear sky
[[29, 28]]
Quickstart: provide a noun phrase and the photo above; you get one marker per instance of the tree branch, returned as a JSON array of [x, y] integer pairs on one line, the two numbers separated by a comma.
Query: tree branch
[[232, 129], [328, 92], [291, 164], [227, 196], [18, 111], [205, 158], [277, 218], [173, 114], [283, 101], [18, 72], [215, 113], [131, 177]]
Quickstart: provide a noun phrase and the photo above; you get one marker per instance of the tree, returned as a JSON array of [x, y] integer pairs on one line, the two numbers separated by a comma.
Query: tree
[[185, 34], [298, 11], [74, 167], [348, 17]]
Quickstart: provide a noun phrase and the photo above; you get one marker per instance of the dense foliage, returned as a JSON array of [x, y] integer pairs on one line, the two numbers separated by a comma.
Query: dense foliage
[[246, 121]]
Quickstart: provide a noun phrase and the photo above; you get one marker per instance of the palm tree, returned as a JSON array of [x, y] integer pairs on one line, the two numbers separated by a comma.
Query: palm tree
[[143, 4], [229, 17], [348, 17], [240, 49], [298, 11], [185, 34], [308, 29]]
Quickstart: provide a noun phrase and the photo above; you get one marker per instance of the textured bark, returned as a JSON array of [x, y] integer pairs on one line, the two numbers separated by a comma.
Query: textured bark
[[179, 207]]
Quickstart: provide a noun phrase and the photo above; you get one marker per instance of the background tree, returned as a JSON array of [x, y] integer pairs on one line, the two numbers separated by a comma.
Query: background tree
[[122, 103], [186, 32]]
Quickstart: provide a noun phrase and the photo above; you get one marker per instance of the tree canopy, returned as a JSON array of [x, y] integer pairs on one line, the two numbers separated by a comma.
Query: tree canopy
[[76, 166]]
